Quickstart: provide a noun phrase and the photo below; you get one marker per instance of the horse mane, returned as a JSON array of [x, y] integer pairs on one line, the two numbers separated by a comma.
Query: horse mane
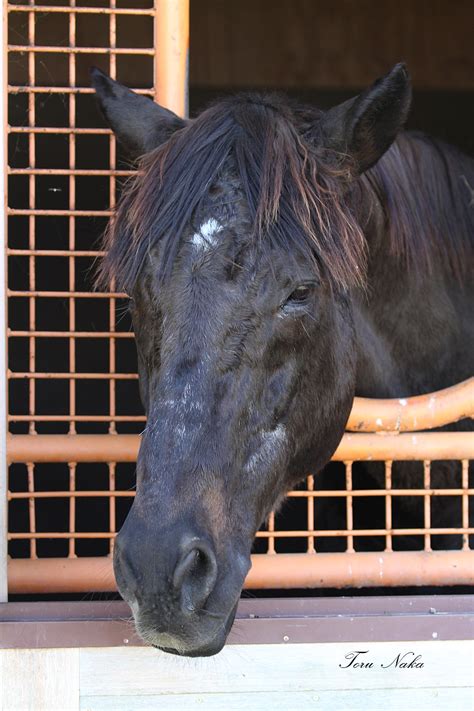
[[426, 190], [297, 193]]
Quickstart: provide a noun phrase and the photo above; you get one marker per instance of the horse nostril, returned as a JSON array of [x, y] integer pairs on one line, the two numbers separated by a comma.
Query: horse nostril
[[195, 574]]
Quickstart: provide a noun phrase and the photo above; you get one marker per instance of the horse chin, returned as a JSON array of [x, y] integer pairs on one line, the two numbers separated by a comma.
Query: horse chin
[[208, 651], [166, 643]]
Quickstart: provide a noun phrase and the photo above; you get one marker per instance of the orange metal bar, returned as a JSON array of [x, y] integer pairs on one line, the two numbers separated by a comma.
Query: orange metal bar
[[14, 89], [81, 418], [55, 49], [353, 447], [62, 295], [269, 535], [55, 253], [303, 494], [59, 130], [81, 10], [39, 212], [73, 448], [74, 334], [363, 446], [69, 171], [73, 376], [423, 412], [294, 570], [281, 570], [171, 58]]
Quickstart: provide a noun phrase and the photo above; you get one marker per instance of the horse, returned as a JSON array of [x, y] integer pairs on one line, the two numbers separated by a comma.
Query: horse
[[279, 260]]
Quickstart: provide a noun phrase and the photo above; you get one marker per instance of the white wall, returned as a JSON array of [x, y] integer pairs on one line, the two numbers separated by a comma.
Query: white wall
[[274, 677]]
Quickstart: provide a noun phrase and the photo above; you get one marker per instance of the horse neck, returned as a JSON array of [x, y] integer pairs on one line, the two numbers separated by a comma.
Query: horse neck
[[413, 325], [412, 331]]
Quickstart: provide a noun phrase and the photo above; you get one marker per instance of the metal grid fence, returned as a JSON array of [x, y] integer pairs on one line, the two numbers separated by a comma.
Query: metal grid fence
[[74, 410], [63, 176], [64, 173]]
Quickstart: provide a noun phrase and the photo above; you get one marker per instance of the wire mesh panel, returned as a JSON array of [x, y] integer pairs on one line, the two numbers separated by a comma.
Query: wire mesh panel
[[64, 171], [72, 363], [71, 353]]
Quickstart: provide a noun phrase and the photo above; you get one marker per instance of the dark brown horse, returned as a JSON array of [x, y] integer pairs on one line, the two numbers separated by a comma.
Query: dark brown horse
[[280, 260]]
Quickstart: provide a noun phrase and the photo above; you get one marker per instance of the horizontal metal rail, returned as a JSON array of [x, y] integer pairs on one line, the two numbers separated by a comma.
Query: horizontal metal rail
[[68, 9], [277, 571], [71, 334], [322, 533], [74, 418], [72, 212], [124, 447], [55, 253], [63, 130], [70, 171], [72, 376], [13, 293], [56, 49], [300, 494], [423, 412], [25, 89]]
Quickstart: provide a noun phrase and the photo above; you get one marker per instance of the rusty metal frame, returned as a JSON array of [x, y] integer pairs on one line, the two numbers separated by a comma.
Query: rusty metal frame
[[261, 621]]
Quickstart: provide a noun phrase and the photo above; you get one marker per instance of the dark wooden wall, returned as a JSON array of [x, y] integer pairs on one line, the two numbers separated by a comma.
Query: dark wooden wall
[[331, 43]]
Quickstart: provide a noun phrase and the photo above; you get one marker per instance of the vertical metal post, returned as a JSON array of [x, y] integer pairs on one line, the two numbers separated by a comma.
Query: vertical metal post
[[3, 320], [172, 54]]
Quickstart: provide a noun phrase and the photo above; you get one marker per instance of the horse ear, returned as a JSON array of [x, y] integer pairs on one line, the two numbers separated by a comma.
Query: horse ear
[[139, 123], [364, 127]]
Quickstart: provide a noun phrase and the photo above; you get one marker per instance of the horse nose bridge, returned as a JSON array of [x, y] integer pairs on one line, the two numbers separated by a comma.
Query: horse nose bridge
[[186, 408], [175, 420], [184, 387]]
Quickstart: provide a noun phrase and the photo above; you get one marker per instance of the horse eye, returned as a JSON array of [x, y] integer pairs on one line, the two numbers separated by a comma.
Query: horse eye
[[299, 296]]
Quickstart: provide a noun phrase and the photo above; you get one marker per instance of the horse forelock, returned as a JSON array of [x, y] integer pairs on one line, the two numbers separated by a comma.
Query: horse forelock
[[296, 193], [293, 195]]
